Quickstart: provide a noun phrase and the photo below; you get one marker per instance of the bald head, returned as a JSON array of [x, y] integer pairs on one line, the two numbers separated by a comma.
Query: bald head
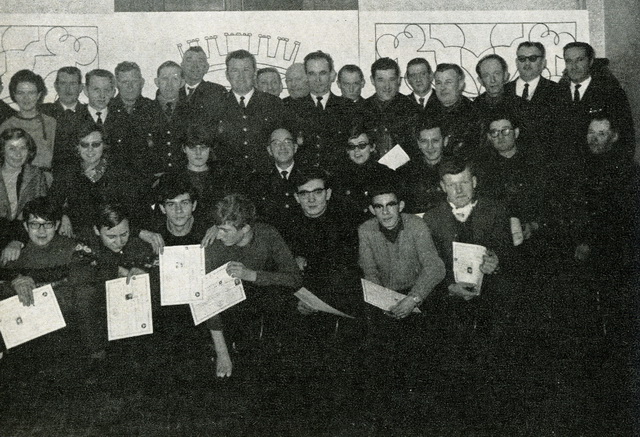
[[297, 82]]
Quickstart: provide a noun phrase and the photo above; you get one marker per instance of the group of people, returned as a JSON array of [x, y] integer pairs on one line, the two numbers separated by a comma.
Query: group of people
[[289, 192]]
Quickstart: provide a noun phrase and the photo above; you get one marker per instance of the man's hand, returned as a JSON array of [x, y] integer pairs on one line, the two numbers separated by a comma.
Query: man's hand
[[489, 263], [133, 271], [24, 285], [11, 252], [305, 309], [155, 240], [302, 262], [464, 290], [238, 270], [209, 237], [65, 227], [582, 252], [403, 308]]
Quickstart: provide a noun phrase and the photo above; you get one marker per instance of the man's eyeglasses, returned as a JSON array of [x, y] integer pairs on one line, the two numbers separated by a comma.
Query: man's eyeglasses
[[532, 58], [494, 133], [305, 194], [360, 146], [34, 226], [380, 206], [93, 145]]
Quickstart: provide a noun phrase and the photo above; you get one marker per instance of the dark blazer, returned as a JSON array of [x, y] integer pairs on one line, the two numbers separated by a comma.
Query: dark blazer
[[67, 123], [243, 133], [323, 132], [430, 102], [204, 105]]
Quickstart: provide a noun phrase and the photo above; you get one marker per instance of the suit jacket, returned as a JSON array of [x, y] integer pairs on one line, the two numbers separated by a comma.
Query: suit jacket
[[601, 96], [461, 122], [324, 132], [488, 226], [204, 105], [430, 102], [67, 124], [171, 133], [243, 133], [31, 184]]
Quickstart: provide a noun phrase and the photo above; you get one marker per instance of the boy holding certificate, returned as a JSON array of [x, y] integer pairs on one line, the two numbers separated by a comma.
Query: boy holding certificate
[[50, 258]]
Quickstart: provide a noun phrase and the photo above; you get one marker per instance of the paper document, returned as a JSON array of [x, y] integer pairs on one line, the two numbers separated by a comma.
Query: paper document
[[318, 304], [395, 158], [220, 291], [466, 263], [516, 231], [129, 307], [181, 273], [381, 297], [20, 324]]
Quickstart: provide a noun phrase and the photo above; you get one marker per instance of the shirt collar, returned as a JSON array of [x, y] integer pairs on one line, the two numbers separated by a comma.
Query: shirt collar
[[247, 96]]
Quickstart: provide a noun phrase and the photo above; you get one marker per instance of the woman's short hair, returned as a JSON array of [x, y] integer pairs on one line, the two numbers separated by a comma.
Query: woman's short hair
[[16, 133], [30, 77], [234, 209], [88, 127]]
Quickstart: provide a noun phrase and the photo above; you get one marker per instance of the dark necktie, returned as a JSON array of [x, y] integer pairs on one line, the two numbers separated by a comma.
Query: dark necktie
[[421, 101], [190, 91], [242, 105], [284, 174], [525, 92], [319, 104], [168, 110], [576, 93], [99, 120]]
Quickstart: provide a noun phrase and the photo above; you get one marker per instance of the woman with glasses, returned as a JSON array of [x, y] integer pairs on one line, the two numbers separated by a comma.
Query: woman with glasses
[[359, 172], [21, 181], [27, 90], [80, 188]]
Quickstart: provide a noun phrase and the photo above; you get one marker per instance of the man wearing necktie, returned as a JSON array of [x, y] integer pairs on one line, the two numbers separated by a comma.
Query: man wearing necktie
[[203, 97], [247, 118], [589, 91], [321, 119], [419, 77]]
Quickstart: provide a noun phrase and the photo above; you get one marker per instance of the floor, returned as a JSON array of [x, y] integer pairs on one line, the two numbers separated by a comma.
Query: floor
[[538, 380]]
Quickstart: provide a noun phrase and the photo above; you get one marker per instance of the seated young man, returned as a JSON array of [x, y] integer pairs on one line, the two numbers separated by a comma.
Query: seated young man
[[324, 241], [50, 258], [258, 255], [178, 201], [397, 252], [465, 218]]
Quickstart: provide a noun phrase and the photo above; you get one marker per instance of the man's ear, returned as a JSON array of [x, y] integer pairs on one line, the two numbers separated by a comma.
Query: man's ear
[[57, 225], [371, 210], [162, 208], [401, 206], [156, 81], [84, 90], [332, 75], [474, 181], [443, 186], [295, 195], [445, 142], [328, 193], [195, 204], [516, 132], [96, 231], [25, 225]]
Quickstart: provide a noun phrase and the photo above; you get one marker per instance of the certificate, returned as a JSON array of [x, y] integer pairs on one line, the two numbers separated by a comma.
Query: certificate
[[220, 291], [318, 304], [129, 307], [467, 259], [19, 324], [395, 158], [381, 297], [181, 272]]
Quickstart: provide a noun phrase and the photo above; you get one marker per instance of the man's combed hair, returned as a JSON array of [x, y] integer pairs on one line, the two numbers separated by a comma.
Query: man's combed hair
[[534, 44], [588, 49], [420, 61], [309, 174], [319, 54], [99, 72], [455, 67], [167, 64], [501, 114], [42, 208], [234, 209], [498, 58], [110, 214], [240, 54], [126, 66], [454, 165], [173, 185], [351, 68], [385, 64], [71, 70]]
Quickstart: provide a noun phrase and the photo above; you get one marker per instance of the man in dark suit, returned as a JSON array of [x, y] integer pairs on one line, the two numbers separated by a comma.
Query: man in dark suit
[[248, 116], [322, 119], [389, 115], [297, 82], [419, 78], [543, 95], [143, 114], [203, 97], [272, 189], [351, 81], [588, 94], [66, 110]]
